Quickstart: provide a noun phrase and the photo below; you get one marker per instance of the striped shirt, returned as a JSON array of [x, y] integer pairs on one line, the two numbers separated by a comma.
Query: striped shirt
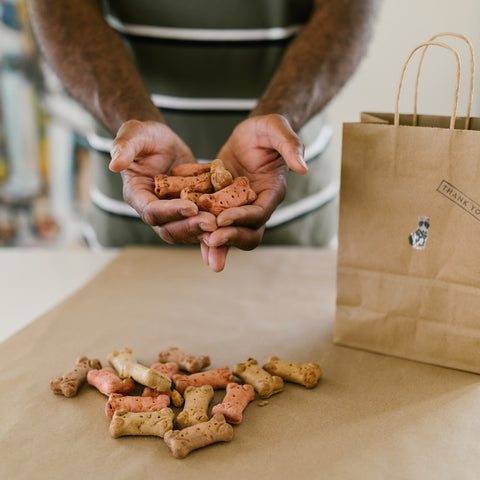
[[205, 63]]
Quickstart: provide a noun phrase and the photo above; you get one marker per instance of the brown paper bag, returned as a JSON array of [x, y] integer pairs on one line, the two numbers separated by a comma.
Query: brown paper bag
[[408, 281]]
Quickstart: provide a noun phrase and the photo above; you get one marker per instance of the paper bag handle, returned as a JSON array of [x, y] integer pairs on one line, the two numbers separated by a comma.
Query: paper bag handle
[[472, 75], [457, 82]]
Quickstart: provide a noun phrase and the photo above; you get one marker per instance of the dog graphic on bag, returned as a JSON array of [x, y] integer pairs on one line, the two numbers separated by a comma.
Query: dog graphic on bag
[[418, 238]]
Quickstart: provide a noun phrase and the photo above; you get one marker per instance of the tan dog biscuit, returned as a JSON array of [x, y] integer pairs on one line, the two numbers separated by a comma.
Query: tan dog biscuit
[[306, 374], [219, 175], [265, 384], [117, 401], [217, 378], [126, 365], [190, 169], [168, 369], [106, 382], [141, 423], [197, 400], [69, 383], [170, 186], [235, 195], [177, 398], [186, 361], [182, 442], [235, 401]]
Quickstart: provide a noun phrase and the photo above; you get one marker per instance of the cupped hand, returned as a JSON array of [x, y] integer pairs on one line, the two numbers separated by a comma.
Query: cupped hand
[[261, 148], [142, 150]]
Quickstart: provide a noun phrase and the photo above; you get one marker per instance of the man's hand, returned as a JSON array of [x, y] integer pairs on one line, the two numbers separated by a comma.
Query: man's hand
[[261, 148], [142, 150]]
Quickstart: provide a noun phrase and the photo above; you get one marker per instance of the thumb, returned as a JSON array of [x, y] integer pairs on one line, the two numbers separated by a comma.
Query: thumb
[[287, 143], [122, 153], [133, 139], [295, 160]]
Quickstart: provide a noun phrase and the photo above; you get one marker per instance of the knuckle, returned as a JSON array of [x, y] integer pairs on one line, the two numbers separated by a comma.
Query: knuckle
[[147, 217], [164, 234]]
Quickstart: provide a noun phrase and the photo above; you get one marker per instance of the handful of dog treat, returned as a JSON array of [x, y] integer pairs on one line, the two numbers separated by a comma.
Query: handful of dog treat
[[210, 186], [163, 387]]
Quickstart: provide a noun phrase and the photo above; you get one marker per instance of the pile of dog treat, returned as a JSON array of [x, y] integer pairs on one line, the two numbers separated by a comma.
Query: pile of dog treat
[[210, 186], [164, 386]]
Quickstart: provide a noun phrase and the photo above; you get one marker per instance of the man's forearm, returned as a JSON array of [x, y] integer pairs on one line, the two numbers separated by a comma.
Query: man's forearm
[[319, 60], [91, 60]]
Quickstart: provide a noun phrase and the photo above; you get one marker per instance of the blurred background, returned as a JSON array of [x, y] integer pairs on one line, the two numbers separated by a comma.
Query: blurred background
[[44, 159]]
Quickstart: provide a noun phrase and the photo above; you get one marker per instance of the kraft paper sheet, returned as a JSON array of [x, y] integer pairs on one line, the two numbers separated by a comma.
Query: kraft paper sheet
[[371, 416]]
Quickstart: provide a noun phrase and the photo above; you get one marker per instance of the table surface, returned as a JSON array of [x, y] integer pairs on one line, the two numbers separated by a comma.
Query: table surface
[[371, 416], [34, 280]]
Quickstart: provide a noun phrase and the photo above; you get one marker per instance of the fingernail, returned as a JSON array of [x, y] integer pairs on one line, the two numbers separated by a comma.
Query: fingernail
[[301, 160], [206, 227], [188, 212], [215, 244], [224, 223], [115, 151]]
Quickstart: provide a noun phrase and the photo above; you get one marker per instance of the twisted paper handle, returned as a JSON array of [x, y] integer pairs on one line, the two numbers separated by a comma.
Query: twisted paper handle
[[457, 82], [472, 75]]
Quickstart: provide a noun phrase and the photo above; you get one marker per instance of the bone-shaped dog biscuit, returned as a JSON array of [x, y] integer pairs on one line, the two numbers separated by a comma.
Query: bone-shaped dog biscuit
[[217, 378], [188, 193], [195, 410], [153, 392], [168, 369], [69, 383], [219, 175], [186, 361], [171, 186], [107, 382], [126, 365], [116, 401], [177, 398], [235, 195], [235, 401], [190, 169], [141, 423], [264, 383], [306, 374], [182, 442]]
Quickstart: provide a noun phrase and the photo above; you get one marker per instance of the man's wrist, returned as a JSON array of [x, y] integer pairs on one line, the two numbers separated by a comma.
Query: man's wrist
[[291, 117], [144, 115]]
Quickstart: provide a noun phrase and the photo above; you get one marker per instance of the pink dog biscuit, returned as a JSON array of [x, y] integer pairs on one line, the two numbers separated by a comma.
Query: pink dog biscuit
[[235, 195], [264, 383], [107, 382], [306, 374], [69, 383], [190, 169], [190, 194], [217, 378], [117, 401], [141, 423], [175, 397], [152, 392], [168, 369], [235, 401], [182, 442], [186, 361], [171, 186]]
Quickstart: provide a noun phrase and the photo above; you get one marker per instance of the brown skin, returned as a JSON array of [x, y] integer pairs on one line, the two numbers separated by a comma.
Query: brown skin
[[95, 67]]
